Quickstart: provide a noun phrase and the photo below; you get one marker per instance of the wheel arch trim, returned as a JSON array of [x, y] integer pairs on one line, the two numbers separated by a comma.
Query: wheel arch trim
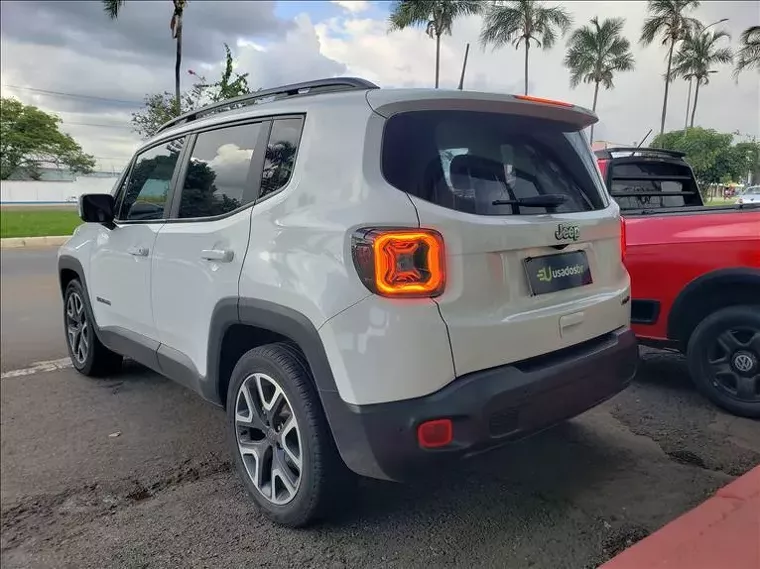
[[679, 308]]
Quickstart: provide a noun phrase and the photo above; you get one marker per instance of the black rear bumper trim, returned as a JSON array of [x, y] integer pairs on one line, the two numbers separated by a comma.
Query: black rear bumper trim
[[488, 408]]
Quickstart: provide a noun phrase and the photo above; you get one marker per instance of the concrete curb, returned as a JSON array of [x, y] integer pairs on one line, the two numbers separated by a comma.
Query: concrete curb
[[722, 532], [17, 242]]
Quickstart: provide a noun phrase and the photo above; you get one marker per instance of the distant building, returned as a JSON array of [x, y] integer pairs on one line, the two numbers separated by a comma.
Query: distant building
[[604, 144]]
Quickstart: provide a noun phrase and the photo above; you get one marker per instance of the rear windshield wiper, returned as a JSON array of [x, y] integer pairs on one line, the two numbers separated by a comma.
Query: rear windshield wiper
[[548, 201]]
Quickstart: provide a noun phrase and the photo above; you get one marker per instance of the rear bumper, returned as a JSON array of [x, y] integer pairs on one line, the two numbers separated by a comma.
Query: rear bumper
[[488, 408]]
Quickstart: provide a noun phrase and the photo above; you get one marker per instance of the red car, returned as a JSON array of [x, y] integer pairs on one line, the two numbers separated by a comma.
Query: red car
[[695, 272]]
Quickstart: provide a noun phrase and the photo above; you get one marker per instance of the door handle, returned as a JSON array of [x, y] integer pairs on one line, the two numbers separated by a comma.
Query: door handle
[[221, 255], [138, 251]]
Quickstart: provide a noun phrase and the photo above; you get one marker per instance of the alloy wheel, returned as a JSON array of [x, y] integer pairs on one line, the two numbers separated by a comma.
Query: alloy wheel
[[269, 438], [734, 360], [77, 328]]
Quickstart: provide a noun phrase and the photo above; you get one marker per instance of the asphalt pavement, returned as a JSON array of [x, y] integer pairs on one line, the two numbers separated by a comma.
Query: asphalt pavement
[[132, 471]]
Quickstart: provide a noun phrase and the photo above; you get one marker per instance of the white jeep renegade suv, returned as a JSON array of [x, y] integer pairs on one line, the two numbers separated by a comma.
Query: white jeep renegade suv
[[384, 280]]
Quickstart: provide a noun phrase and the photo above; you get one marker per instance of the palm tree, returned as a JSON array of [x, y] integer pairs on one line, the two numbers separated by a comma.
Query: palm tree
[[522, 21], [698, 53], [113, 8], [748, 55], [667, 18], [596, 53], [436, 15]]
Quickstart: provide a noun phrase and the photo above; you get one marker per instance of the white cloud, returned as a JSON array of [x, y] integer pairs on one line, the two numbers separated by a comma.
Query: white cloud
[[407, 58], [353, 6], [357, 43]]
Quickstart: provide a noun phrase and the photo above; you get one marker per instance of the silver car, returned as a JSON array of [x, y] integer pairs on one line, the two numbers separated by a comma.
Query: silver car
[[750, 195]]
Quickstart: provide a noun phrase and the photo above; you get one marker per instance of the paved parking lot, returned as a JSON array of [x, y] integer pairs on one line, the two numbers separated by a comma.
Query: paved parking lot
[[132, 471]]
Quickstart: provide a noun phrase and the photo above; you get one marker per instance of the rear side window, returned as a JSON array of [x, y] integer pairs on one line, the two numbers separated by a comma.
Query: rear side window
[[486, 163], [652, 185], [146, 189], [281, 154], [219, 178]]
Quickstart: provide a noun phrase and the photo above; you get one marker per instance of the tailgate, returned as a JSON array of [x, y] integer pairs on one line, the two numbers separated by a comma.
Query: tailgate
[[524, 277]]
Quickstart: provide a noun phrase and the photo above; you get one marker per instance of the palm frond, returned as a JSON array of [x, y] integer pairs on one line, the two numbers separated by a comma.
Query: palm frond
[[437, 16], [502, 25], [667, 19], [748, 55], [113, 7], [699, 53], [597, 51]]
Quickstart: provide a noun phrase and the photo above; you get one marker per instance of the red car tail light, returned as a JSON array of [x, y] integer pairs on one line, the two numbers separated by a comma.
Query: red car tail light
[[435, 434], [406, 263], [622, 239]]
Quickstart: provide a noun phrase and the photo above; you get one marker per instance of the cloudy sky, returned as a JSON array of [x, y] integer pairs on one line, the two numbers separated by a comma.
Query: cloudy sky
[[69, 58]]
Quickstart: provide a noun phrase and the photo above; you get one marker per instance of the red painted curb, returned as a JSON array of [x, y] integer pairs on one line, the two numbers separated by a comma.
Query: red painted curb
[[721, 533]]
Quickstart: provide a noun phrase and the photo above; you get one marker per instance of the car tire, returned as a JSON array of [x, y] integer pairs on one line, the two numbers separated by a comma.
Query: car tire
[[293, 473], [88, 355], [724, 359]]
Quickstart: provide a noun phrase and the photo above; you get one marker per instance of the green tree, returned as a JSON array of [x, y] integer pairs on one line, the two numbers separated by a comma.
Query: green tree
[[595, 53], [748, 55], [747, 158], [29, 137], [711, 154], [113, 9], [159, 108], [667, 19], [231, 84], [699, 52], [437, 16], [519, 22]]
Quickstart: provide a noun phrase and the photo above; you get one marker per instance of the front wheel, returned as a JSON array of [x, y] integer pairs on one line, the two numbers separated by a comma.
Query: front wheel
[[283, 449], [87, 354], [724, 359]]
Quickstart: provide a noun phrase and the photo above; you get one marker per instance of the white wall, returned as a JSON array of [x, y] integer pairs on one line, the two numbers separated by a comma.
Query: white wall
[[20, 192]]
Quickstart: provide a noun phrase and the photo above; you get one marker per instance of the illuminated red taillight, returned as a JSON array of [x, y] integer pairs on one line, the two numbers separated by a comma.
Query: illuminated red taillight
[[435, 434], [533, 99], [622, 239], [405, 263]]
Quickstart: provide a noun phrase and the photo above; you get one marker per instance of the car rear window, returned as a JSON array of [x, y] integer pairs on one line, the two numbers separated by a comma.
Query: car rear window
[[472, 161], [652, 185]]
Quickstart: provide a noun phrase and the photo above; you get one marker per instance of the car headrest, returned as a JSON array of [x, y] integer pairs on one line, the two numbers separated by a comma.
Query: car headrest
[[466, 166]]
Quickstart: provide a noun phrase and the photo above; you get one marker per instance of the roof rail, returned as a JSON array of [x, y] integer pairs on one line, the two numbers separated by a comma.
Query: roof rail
[[606, 153], [294, 90]]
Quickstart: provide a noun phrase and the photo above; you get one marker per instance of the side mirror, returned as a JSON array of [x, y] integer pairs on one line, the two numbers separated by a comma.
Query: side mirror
[[97, 208]]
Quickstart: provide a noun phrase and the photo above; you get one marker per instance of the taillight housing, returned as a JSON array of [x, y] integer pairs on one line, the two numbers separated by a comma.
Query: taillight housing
[[622, 239], [400, 263]]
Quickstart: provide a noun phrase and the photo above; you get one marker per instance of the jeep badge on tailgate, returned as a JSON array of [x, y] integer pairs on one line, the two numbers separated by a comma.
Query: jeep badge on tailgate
[[567, 232]]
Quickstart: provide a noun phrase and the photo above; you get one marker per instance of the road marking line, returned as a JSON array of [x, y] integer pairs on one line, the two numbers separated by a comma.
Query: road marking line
[[38, 367]]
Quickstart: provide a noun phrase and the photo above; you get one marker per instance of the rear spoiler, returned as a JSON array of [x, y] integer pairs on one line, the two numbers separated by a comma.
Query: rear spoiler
[[388, 102], [607, 153]]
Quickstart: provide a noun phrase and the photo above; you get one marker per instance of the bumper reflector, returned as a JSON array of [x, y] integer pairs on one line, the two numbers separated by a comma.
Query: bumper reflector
[[435, 434]]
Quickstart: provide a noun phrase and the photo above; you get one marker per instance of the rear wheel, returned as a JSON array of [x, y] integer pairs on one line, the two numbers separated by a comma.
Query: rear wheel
[[724, 359], [87, 354], [279, 436]]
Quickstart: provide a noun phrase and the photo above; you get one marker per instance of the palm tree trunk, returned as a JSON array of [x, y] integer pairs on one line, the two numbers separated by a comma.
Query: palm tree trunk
[[527, 49], [437, 58], [593, 108], [178, 65], [667, 86], [694, 108], [688, 104]]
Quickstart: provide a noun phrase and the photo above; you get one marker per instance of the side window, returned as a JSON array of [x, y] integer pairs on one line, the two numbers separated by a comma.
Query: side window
[[281, 154], [147, 186], [218, 176]]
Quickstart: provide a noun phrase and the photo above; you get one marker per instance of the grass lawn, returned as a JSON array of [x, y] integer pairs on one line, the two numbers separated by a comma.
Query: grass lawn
[[721, 201], [37, 221]]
